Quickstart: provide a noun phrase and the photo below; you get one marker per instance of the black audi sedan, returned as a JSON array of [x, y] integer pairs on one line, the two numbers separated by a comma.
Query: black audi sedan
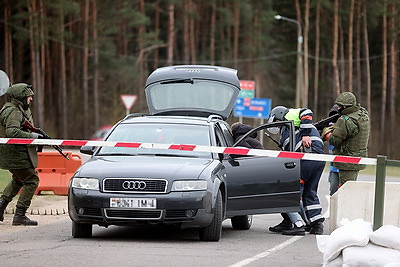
[[148, 184]]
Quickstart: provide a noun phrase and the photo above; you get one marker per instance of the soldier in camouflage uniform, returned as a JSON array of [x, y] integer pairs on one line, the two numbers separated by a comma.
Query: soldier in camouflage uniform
[[349, 135], [20, 160]]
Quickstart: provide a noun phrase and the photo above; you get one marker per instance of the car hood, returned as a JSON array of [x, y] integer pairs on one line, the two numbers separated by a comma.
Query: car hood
[[144, 167]]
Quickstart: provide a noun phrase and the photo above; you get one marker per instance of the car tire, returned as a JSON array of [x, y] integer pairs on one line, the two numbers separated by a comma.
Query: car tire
[[81, 230], [242, 222], [213, 231]]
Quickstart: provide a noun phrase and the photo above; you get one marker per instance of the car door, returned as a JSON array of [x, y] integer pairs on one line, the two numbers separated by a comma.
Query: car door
[[259, 185]]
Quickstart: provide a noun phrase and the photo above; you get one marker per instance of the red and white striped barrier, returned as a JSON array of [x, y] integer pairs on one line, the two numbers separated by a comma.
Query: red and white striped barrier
[[197, 148]]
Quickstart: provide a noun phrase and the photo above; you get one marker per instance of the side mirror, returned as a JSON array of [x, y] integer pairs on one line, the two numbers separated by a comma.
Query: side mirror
[[89, 150]]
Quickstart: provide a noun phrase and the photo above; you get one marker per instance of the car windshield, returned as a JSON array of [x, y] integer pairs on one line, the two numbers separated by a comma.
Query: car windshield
[[182, 134]]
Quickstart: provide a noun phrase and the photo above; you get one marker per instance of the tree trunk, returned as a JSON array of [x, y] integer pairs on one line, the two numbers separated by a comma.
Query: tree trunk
[[171, 34], [342, 64], [358, 50], [212, 31], [156, 30], [236, 24], [336, 84], [316, 67], [392, 79], [8, 44], [192, 34], [186, 36], [306, 30], [142, 63], [63, 80], [367, 63], [350, 49], [384, 80], [85, 69], [96, 98], [35, 59]]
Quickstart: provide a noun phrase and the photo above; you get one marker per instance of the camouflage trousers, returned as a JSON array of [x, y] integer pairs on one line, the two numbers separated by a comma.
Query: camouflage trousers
[[28, 180], [347, 175]]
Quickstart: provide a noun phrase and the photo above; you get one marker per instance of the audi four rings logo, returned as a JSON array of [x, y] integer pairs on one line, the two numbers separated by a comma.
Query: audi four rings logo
[[131, 185]]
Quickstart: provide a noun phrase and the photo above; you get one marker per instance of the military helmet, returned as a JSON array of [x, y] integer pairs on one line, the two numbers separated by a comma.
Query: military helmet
[[346, 99], [278, 113], [20, 91]]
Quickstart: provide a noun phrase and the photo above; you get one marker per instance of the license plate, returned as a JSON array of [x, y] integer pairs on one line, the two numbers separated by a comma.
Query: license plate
[[141, 203]]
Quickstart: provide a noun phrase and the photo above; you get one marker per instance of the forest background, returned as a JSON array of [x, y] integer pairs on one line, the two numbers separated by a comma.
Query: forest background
[[81, 55]]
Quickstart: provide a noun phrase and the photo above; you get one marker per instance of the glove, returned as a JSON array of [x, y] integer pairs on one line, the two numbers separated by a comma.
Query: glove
[[326, 133], [37, 135]]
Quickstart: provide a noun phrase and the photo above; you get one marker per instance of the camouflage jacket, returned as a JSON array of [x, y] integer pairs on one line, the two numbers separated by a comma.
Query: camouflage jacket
[[12, 116], [350, 136]]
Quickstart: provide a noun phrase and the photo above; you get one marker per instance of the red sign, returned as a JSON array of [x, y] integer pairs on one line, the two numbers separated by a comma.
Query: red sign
[[128, 100], [256, 108], [247, 85]]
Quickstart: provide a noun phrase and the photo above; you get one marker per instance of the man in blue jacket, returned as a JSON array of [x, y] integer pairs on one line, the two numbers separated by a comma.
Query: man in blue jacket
[[307, 140]]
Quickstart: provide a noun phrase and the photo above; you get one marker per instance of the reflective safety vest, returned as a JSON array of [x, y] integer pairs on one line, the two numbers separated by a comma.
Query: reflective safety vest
[[294, 115]]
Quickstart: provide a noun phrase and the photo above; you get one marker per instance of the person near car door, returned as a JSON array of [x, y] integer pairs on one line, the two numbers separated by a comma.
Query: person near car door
[[20, 160], [239, 129], [349, 135], [308, 140]]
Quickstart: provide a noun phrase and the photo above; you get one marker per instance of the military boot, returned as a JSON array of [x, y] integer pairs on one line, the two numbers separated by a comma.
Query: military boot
[[21, 219], [3, 206]]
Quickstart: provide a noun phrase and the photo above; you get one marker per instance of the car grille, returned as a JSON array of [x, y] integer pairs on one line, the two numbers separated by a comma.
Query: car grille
[[134, 185], [133, 214]]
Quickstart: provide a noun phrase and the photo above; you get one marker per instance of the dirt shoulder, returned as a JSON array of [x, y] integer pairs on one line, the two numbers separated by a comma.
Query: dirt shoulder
[[44, 209]]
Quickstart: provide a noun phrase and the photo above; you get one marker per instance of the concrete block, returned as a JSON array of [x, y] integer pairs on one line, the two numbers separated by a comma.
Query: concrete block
[[355, 199]]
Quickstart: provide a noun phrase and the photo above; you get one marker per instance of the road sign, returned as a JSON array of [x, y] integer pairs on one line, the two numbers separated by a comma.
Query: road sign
[[246, 94], [128, 101], [252, 107], [247, 88], [247, 85]]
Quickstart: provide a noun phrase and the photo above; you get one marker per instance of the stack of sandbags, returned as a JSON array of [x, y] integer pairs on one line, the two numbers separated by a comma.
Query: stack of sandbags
[[355, 244]]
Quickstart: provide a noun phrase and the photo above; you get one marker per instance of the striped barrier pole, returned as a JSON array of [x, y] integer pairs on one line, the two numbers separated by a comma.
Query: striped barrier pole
[[196, 148], [380, 161]]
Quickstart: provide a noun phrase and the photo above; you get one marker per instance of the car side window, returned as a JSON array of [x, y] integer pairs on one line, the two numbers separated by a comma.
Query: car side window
[[219, 137], [227, 134]]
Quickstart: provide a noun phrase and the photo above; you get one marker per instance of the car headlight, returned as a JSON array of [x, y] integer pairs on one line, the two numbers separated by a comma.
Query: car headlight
[[85, 183], [193, 185]]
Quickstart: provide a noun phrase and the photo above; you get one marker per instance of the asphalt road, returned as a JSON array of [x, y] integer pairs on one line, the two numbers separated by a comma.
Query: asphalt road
[[52, 244]]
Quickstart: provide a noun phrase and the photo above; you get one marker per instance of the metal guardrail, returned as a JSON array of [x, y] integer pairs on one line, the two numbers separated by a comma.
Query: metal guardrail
[[380, 181]]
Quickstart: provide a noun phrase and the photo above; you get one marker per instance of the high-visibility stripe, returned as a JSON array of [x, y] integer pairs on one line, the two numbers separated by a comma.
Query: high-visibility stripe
[[196, 148]]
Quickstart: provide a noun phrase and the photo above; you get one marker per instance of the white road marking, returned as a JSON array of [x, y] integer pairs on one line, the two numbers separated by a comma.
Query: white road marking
[[266, 253]]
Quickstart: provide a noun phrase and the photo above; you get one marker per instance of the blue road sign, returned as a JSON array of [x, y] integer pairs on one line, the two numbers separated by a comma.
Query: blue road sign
[[252, 107]]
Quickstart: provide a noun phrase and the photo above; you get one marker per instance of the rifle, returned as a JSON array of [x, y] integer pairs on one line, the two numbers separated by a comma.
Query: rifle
[[26, 124], [320, 125]]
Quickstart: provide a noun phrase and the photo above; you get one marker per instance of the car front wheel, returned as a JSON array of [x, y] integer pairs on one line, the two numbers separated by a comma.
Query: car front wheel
[[81, 230], [213, 231], [242, 222]]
